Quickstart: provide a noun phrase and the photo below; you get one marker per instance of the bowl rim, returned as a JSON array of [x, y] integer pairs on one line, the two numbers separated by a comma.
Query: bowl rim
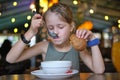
[[46, 63], [54, 61], [56, 67]]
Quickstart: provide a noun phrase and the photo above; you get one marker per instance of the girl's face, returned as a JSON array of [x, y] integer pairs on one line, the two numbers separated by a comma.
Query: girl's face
[[59, 26]]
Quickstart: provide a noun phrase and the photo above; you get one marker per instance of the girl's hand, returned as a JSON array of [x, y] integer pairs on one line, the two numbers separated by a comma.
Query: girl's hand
[[36, 23], [85, 34]]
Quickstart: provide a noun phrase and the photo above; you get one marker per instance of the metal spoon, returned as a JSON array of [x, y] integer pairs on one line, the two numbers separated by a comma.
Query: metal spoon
[[52, 34]]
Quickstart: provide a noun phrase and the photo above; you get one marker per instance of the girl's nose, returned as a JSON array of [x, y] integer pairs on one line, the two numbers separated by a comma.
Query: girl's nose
[[55, 31]]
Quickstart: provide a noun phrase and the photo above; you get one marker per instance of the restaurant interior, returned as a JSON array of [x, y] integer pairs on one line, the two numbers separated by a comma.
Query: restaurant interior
[[100, 16]]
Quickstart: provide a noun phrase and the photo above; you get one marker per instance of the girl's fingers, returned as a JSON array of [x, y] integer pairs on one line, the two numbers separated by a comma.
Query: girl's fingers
[[37, 16], [87, 35], [78, 33], [83, 33], [37, 22]]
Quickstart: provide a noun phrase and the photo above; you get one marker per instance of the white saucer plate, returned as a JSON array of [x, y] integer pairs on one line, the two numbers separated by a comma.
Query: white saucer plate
[[41, 74]]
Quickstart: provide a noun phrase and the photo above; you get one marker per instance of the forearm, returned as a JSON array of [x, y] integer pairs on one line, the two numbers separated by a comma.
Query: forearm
[[15, 52], [93, 60], [97, 60], [86, 58], [17, 49]]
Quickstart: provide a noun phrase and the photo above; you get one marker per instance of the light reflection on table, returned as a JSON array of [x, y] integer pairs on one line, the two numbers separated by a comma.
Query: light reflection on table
[[82, 76], [105, 76]]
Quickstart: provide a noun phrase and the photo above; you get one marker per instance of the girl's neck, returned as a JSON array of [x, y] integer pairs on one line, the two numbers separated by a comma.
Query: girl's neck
[[63, 47]]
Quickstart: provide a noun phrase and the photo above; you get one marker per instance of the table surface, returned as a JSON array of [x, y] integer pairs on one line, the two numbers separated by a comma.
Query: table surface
[[81, 76]]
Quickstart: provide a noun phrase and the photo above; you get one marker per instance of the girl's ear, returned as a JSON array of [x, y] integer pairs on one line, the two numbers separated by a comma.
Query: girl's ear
[[73, 28]]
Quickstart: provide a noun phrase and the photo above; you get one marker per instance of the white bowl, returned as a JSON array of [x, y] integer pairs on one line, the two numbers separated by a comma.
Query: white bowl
[[56, 67]]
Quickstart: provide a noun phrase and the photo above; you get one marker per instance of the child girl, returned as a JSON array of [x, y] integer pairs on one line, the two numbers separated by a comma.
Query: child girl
[[58, 19]]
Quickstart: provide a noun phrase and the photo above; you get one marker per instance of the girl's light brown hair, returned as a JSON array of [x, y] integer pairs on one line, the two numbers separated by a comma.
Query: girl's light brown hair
[[61, 9]]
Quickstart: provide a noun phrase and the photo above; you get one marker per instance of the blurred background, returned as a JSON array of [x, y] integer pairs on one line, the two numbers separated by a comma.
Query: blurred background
[[100, 16]]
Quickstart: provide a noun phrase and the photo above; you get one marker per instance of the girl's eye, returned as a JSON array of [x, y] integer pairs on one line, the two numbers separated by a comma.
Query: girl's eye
[[50, 28], [61, 26]]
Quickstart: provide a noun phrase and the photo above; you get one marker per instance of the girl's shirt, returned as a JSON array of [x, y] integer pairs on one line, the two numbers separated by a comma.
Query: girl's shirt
[[72, 55]]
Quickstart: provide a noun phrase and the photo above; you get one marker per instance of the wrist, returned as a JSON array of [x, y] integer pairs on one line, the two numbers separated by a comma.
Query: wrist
[[23, 38], [29, 34], [26, 37], [93, 42], [92, 38]]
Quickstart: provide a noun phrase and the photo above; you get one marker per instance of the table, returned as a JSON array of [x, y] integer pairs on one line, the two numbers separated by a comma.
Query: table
[[81, 76], [105, 76]]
